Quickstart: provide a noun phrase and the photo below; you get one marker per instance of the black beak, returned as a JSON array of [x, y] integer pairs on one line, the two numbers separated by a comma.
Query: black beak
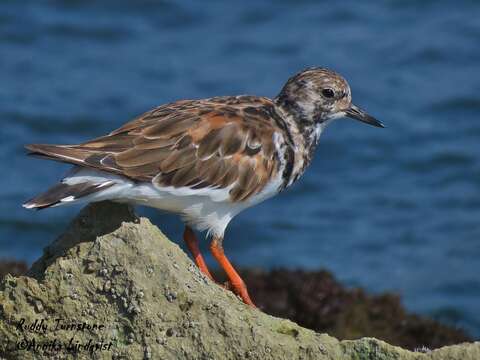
[[358, 114]]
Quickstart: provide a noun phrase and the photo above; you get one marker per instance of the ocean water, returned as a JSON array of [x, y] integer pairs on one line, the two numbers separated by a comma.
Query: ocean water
[[386, 209]]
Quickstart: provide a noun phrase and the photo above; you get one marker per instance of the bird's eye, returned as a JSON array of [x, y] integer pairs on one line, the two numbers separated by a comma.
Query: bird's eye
[[328, 93]]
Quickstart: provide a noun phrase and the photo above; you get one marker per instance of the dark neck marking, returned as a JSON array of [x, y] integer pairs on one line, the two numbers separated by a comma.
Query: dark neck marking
[[281, 123], [306, 134], [292, 107], [306, 126], [288, 171], [289, 155]]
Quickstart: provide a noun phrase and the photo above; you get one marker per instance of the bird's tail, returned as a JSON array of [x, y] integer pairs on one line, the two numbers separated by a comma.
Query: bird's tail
[[63, 193], [75, 186], [71, 154]]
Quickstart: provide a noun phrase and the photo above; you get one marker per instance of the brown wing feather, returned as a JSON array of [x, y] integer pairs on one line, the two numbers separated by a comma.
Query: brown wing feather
[[217, 143]]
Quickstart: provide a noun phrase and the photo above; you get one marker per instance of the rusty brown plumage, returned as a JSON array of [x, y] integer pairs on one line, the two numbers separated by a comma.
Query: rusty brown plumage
[[218, 142]]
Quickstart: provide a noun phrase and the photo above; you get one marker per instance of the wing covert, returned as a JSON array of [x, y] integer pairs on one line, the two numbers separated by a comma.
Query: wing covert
[[198, 144]]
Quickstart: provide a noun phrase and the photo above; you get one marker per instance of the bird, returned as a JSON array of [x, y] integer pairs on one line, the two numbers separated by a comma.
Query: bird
[[206, 160]]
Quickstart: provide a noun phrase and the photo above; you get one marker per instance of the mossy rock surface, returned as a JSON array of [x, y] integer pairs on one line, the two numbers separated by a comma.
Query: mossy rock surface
[[113, 286]]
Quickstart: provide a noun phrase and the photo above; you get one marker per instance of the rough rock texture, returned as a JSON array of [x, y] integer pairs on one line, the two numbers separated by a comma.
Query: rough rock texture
[[142, 298], [317, 301]]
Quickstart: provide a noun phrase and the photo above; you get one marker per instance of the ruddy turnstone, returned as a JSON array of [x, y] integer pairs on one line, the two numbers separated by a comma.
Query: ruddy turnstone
[[206, 160]]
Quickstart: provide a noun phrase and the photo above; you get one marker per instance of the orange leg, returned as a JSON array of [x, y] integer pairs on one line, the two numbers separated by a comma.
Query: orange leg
[[192, 244], [236, 281]]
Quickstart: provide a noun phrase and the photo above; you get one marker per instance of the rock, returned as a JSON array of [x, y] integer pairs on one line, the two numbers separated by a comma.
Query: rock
[[113, 286], [317, 301]]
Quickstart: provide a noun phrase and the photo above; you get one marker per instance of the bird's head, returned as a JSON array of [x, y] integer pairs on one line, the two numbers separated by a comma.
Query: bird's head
[[317, 95]]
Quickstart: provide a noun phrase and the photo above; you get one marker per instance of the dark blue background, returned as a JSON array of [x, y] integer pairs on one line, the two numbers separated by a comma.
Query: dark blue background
[[386, 209]]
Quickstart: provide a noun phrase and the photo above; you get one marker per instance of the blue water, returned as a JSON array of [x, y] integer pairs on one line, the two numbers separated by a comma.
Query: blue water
[[386, 209]]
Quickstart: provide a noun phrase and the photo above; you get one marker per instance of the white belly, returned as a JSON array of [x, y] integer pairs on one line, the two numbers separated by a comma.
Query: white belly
[[204, 209]]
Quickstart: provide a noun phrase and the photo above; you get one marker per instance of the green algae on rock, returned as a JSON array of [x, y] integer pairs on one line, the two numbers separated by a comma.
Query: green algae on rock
[[122, 290]]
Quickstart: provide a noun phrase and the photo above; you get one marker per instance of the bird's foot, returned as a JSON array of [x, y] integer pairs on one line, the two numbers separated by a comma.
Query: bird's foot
[[235, 283]]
